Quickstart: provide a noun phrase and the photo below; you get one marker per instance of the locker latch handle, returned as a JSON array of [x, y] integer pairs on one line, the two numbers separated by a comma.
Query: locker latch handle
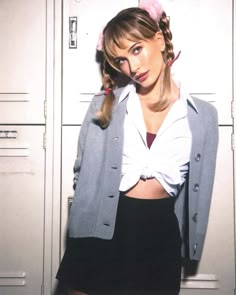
[[72, 32]]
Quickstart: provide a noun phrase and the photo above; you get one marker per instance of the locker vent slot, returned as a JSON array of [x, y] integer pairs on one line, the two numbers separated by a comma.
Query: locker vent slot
[[200, 281], [14, 97], [14, 150], [11, 279]]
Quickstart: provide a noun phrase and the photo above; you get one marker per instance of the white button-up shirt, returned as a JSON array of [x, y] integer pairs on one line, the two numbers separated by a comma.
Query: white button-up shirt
[[168, 157]]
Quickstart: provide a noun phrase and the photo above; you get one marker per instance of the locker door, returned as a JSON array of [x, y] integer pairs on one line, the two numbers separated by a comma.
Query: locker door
[[22, 156], [21, 211], [22, 59]]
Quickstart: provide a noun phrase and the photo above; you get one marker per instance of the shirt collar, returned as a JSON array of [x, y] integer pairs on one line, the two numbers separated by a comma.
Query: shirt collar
[[130, 88]]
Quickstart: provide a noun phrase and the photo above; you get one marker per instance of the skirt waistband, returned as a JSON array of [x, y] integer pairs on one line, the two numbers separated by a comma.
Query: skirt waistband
[[161, 205]]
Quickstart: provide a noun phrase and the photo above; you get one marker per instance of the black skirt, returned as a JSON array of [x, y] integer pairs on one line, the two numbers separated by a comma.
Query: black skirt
[[143, 257]]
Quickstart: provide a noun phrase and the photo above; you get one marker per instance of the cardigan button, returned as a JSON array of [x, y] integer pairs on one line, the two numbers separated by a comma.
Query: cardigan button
[[196, 187], [195, 248], [198, 157], [194, 218], [106, 224]]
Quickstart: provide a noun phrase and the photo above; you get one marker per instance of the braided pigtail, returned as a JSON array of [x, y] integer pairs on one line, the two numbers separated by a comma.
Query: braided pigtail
[[168, 56], [164, 25], [109, 83]]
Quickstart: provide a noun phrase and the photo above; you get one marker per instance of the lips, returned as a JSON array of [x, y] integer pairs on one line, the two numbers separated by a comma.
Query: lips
[[141, 77]]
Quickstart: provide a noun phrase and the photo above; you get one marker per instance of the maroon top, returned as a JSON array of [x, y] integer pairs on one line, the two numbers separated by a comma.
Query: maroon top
[[150, 138]]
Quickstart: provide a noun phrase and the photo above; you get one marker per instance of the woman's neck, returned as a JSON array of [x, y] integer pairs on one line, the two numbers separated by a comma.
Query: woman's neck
[[153, 100]]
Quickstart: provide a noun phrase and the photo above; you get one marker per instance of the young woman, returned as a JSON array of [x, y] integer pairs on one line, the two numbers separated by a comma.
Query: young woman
[[144, 170]]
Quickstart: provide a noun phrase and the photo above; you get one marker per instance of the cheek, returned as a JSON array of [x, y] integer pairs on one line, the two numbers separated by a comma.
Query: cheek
[[152, 57], [157, 60]]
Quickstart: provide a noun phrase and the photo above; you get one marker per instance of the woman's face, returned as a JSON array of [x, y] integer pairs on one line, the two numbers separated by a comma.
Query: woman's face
[[142, 61]]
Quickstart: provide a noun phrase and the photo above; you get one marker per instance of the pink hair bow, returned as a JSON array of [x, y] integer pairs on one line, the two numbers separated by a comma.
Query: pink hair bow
[[153, 7]]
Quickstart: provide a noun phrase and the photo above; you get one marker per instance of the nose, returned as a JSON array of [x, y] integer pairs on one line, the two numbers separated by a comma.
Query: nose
[[133, 65]]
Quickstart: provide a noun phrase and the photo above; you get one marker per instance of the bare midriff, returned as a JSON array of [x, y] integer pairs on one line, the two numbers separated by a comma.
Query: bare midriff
[[147, 189]]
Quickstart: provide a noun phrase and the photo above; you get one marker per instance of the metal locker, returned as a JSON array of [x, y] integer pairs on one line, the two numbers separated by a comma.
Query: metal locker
[[23, 75], [22, 158]]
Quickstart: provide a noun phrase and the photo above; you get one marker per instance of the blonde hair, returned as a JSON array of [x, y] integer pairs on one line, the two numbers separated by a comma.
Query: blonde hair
[[134, 24]]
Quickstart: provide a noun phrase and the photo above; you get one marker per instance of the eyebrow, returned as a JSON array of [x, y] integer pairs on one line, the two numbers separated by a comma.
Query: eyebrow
[[133, 46], [117, 57]]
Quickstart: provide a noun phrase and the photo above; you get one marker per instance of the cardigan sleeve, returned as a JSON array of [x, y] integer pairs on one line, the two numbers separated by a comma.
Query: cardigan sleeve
[[90, 115]]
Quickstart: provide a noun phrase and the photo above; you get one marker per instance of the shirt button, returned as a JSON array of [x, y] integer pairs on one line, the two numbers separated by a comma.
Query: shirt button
[[111, 196], [197, 157], [196, 187], [194, 218]]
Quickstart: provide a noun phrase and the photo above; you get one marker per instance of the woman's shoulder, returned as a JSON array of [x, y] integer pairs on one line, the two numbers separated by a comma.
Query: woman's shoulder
[[203, 104]]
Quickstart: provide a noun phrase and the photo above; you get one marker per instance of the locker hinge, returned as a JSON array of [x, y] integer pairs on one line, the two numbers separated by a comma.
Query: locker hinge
[[45, 141], [232, 144], [232, 109], [45, 109], [42, 289]]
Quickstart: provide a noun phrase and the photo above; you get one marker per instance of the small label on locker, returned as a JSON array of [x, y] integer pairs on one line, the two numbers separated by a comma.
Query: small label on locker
[[8, 134]]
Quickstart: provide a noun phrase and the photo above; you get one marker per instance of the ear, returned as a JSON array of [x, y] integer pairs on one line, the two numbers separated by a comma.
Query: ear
[[159, 38]]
